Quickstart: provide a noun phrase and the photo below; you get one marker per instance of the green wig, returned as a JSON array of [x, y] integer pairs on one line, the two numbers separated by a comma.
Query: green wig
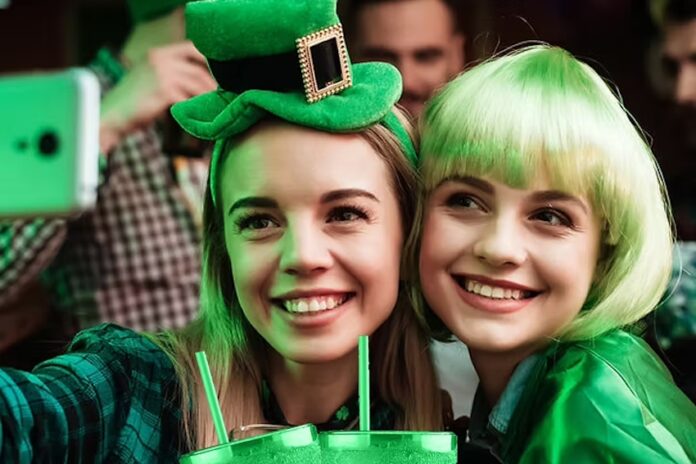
[[539, 111]]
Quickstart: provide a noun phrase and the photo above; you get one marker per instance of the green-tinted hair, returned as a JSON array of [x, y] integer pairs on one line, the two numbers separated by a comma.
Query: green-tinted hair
[[539, 111], [236, 352]]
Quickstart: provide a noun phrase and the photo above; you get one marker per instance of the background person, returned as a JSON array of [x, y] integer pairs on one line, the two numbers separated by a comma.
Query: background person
[[135, 258], [305, 217], [422, 38]]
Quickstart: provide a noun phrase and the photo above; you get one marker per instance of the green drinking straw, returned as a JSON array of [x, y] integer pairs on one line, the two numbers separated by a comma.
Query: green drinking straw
[[211, 394], [364, 382]]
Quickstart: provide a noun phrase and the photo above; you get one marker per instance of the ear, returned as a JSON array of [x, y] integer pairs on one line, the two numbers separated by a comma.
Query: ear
[[457, 54]]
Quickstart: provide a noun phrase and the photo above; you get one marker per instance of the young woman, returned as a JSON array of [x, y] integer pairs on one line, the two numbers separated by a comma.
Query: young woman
[[545, 236], [307, 208]]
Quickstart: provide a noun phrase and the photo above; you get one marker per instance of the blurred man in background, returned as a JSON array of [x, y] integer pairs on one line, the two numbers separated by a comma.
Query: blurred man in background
[[679, 49], [133, 260], [422, 38]]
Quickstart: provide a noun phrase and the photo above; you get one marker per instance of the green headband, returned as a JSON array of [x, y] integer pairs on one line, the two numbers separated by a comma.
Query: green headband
[[391, 122]]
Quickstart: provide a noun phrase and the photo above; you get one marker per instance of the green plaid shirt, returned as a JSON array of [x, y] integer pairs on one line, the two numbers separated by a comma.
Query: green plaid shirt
[[111, 399]]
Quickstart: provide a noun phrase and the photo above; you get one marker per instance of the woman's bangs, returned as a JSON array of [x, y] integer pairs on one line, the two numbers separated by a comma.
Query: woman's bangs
[[518, 155]]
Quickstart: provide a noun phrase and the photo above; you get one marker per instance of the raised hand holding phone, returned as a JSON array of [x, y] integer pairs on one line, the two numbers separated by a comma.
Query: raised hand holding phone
[[48, 143]]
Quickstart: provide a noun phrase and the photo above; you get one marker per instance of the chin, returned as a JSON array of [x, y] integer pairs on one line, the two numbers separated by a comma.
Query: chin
[[305, 357], [492, 339], [316, 353]]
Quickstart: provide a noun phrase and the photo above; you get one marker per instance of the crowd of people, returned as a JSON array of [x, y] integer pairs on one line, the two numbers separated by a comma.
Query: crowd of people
[[500, 227]]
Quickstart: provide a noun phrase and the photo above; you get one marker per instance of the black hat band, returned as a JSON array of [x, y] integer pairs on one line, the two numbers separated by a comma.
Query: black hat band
[[320, 67]]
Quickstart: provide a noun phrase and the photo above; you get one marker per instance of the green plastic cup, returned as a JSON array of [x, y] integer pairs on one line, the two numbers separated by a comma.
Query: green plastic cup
[[388, 447], [296, 445]]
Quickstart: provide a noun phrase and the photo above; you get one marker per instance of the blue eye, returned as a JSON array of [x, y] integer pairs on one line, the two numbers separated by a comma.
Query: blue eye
[[553, 217], [462, 200], [347, 214], [255, 222]]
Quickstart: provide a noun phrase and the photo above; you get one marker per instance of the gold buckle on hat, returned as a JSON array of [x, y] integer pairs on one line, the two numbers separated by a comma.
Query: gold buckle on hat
[[315, 91]]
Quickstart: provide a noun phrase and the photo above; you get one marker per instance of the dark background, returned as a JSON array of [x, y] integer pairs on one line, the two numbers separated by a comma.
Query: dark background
[[615, 36]]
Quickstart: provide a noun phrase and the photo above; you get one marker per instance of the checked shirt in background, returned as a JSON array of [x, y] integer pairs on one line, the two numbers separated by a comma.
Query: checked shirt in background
[[134, 260]]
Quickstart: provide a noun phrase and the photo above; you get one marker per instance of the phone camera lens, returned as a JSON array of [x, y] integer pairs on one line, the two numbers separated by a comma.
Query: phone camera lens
[[48, 143]]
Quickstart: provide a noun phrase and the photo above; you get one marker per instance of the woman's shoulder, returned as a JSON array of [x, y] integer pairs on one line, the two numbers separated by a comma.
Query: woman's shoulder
[[615, 367], [112, 336], [112, 345], [617, 352], [613, 385]]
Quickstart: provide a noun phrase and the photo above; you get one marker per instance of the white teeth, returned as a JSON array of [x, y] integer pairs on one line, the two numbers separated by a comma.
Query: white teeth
[[311, 305], [497, 293]]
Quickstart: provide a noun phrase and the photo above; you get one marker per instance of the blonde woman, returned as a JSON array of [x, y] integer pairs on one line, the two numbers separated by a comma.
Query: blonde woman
[[545, 236], [311, 194]]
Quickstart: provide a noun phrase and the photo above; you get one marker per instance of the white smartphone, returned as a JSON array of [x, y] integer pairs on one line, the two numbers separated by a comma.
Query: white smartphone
[[49, 143]]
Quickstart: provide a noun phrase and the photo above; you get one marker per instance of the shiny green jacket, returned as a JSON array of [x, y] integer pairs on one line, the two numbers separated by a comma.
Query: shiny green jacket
[[609, 399]]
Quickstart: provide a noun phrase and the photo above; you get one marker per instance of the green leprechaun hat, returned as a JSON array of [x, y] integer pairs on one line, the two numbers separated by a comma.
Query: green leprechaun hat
[[285, 58]]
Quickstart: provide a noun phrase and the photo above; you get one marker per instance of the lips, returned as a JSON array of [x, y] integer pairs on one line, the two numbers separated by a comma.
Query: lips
[[488, 289], [499, 298]]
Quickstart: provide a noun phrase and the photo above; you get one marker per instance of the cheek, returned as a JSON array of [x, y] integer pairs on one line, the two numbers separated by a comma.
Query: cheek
[[251, 269], [441, 243], [378, 262], [375, 263], [573, 281], [434, 258]]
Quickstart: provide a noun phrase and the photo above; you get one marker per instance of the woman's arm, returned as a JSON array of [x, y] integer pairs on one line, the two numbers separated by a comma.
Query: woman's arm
[[101, 402]]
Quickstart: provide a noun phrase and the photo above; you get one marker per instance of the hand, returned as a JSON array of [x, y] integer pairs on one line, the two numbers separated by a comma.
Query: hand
[[169, 74]]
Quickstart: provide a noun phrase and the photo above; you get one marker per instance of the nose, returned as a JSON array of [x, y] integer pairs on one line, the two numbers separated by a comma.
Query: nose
[[304, 250], [501, 244], [409, 76], [685, 92]]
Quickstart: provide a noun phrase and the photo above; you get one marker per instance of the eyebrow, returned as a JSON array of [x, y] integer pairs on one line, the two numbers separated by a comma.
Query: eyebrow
[[328, 197], [545, 196], [555, 195], [253, 202], [475, 182]]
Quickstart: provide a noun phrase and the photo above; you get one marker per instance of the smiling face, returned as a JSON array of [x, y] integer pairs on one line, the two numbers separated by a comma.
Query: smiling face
[[506, 268], [313, 233]]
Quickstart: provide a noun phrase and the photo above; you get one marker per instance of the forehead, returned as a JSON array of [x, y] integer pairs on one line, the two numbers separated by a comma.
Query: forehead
[[284, 161], [403, 24], [680, 39]]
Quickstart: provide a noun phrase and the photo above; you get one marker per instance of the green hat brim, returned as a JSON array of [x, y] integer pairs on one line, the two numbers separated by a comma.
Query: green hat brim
[[220, 114]]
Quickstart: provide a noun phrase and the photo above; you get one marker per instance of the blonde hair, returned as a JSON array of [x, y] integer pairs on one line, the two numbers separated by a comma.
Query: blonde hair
[[538, 110], [401, 359]]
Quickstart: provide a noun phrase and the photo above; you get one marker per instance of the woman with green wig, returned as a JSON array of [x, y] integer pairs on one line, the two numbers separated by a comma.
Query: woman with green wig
[[545, 237], [312, 191]]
